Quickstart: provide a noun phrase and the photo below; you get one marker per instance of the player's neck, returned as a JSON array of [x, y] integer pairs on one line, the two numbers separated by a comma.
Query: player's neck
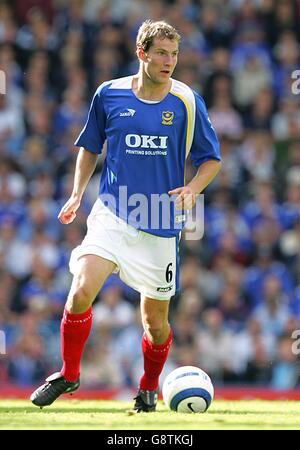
[[146, 89]]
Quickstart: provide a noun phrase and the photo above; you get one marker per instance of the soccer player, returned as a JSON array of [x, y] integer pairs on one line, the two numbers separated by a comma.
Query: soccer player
[[152, 124]]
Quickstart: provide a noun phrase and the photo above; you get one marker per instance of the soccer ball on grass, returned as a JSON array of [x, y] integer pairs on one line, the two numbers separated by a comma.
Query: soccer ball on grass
[[188, 389]]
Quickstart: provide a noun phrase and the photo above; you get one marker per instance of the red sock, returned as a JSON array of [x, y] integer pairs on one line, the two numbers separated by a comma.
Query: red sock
[[74, 331], [155, 357]]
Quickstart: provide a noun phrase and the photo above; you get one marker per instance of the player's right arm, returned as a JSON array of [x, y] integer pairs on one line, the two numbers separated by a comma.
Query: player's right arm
[[85, 166], [90, 141]]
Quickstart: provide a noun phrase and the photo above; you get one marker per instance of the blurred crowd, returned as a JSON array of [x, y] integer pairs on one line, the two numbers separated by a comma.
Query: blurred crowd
[[240, 299]]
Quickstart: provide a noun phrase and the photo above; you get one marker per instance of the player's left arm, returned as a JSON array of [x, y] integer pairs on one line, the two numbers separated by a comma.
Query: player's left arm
[[187, 195], [204, 154]]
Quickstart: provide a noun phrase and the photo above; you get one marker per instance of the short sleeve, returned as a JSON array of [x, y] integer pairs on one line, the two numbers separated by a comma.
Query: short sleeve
[[205, 145], [92, 136]]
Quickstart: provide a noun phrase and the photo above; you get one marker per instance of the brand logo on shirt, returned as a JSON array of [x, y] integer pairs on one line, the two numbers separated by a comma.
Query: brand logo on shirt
[[128, 113], [145, 141], [167, 118]]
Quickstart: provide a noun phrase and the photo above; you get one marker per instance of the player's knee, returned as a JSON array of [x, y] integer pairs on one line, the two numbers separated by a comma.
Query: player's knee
[[79, 300]]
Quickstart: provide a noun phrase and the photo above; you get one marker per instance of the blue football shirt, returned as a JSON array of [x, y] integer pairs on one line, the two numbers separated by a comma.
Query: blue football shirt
[[147, 146]]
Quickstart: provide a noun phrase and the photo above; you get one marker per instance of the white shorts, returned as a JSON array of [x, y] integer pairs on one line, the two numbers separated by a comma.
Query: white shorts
[[145, 262]]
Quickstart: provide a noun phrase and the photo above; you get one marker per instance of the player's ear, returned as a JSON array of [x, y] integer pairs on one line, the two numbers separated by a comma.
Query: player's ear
[[141, 54]]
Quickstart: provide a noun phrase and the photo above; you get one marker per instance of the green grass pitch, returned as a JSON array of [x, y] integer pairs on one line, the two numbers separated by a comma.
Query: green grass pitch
[[112, 415]]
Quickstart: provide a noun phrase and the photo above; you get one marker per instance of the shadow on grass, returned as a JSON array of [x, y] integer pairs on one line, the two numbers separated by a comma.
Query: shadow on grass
[[101, 410], [228, 413], [57, 410], [32, 409]]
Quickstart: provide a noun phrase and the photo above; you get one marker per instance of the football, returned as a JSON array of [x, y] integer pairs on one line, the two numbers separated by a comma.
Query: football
[[188, 389]]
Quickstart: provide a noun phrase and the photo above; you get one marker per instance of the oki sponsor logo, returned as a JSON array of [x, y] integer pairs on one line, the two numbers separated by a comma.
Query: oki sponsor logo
[[145, 141]]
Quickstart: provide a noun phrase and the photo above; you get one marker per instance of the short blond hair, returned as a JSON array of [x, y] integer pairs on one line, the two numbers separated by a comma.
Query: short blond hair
[[151, 29]]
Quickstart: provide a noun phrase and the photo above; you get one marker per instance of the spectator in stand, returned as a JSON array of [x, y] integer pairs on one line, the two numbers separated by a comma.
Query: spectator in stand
[[255, 276], [273, 313], [27, 364], [215, 343], [233, 307], [285, 123], [8, 26], [112, 312], [225, 119], [285, 371], [261, 110], [11, 126], [286, 52], [249, 79]]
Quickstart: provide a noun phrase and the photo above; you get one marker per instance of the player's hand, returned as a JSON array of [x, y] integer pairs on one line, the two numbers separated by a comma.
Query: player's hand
[[68, 212], [186, 197]]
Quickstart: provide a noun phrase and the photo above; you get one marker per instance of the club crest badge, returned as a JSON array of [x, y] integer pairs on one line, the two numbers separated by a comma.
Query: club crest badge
[[167, 118]]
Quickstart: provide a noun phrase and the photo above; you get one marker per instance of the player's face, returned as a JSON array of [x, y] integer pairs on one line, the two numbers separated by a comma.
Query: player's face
[[161, 59]]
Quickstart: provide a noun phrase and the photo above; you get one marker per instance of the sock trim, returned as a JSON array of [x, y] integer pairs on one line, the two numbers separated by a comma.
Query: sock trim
[[80, 318], [159, 348]]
